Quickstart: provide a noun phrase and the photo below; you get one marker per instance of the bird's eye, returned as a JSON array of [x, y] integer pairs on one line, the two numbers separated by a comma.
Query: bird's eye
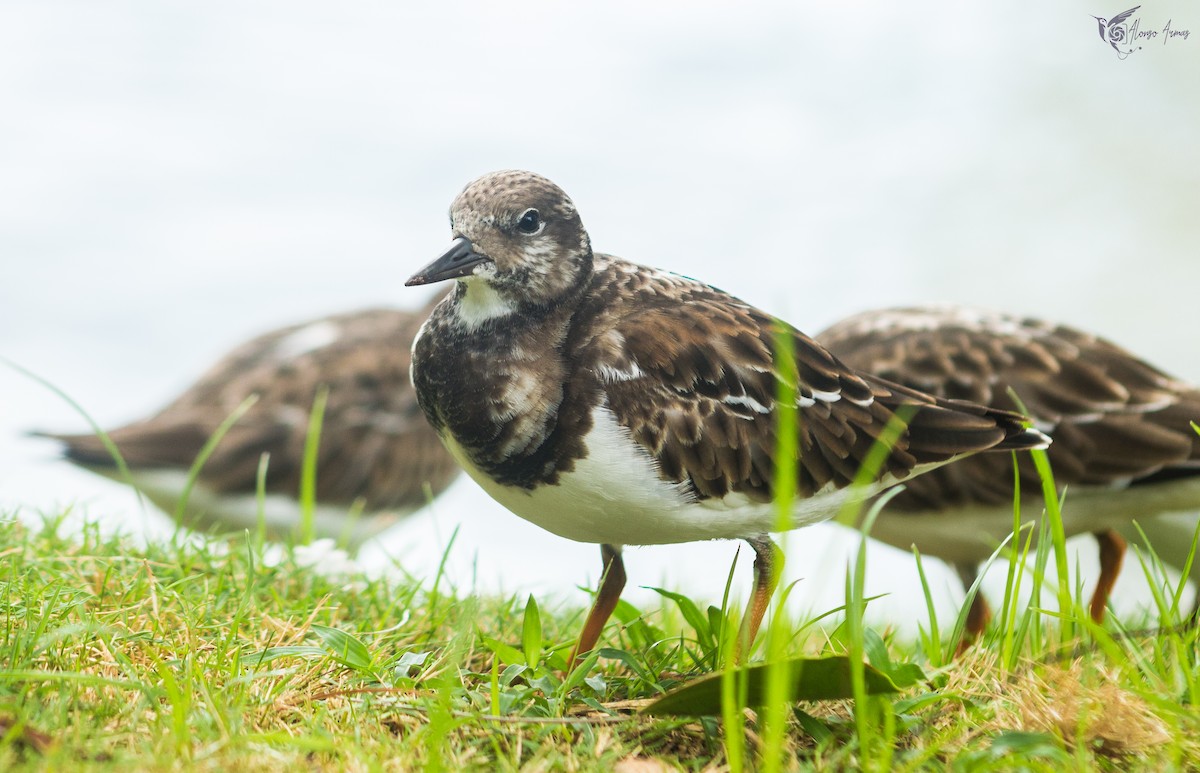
[[530, 222]]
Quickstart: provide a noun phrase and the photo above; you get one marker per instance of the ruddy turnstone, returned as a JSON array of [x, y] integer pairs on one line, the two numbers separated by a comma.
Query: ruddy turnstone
[[1123, 444], [613, 403], [377, 452]]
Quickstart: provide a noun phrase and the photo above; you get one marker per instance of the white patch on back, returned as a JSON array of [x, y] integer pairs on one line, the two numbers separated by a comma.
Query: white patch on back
[[825, 397], [307, 339], [609, 375], [936, 316], [747, 401]]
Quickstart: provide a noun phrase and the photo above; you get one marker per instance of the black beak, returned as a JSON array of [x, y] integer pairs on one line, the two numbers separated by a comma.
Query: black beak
[[457, 261]]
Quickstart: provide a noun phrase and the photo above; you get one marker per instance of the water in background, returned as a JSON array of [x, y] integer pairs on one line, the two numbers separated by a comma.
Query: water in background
[[176, 179]]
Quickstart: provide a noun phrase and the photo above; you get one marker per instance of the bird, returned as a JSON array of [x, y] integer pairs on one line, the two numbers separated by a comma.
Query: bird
[[613, 403], [1124, 446], [1112, 31], [378, 458]]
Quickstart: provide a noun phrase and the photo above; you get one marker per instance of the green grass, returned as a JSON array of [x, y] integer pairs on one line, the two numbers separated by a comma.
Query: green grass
[[209, 655]]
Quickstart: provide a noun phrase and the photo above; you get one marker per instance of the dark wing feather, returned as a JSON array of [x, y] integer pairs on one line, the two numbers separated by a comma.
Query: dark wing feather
[[704, 404], [1114, 418]]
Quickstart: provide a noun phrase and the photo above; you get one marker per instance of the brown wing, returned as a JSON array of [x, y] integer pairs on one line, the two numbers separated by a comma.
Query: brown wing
[[696, 383], [1114, 418], [375, 442]]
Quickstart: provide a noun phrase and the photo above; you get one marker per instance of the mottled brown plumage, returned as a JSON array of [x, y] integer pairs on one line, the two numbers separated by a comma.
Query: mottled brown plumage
[[704, 403], [614, 403], [377, 452], [1123, 441]]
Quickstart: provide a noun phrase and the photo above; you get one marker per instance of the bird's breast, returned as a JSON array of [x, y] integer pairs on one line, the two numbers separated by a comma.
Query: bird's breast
[[499, 398]]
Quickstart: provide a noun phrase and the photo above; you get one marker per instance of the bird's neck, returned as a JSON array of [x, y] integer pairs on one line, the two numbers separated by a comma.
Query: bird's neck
[[477, 303]]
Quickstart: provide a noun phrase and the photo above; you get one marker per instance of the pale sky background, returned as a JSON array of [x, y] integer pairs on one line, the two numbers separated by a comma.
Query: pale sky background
[[176, 178]]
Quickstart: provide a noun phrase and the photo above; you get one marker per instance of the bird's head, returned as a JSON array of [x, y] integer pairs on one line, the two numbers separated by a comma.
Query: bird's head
[[517, 241]]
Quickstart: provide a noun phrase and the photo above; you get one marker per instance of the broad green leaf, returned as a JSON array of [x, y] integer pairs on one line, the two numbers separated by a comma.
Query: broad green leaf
[[409, 661], [903, 674], [272, 653], [511, 672], [813, 679], [531, 633], [1029, 745], [412, 659], [817, 730], [716, 620], [343, 647], [506, 652], [548, 684]]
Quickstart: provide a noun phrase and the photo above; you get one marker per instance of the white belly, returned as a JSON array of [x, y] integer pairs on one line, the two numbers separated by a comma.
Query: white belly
[[615, 496], [230, 512], [970, 534]]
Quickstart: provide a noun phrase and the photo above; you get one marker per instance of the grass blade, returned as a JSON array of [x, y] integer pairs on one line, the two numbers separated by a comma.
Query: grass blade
[[531, 633], [308, 470], [206, 450]]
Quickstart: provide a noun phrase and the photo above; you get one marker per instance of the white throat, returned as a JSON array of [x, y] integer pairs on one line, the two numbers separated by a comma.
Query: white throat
[[480, 303]]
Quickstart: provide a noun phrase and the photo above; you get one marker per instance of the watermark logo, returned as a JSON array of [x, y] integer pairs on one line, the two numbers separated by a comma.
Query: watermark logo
[[1124, 32]]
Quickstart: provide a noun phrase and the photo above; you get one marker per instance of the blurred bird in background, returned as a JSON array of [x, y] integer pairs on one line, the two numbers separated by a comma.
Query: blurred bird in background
[[378, 459], [1124, 446]]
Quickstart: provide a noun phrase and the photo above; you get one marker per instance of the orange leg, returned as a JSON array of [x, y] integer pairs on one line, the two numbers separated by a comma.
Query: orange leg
[[611, 584], [766, 577], [1112, 553], [980, 614]]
